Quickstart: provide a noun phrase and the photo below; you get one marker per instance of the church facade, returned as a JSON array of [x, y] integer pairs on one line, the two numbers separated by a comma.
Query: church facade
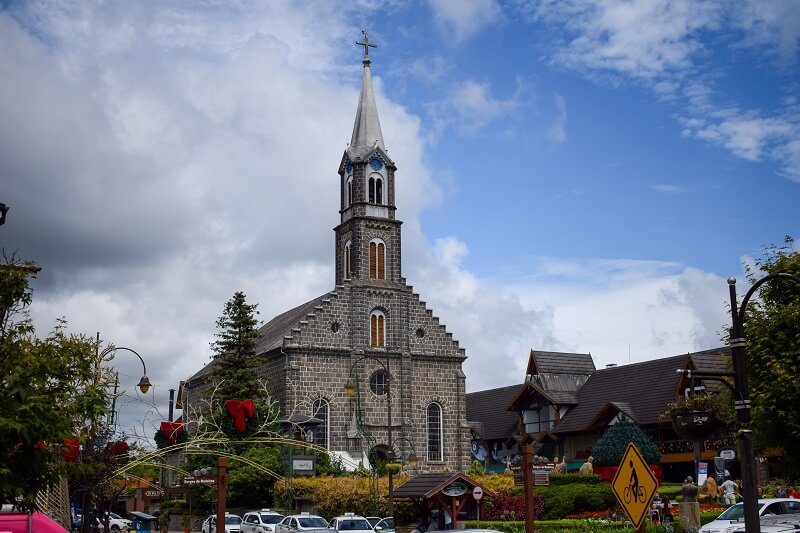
[[372, 331]]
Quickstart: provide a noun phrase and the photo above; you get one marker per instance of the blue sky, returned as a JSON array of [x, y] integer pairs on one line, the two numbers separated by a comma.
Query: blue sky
[[573, 175]]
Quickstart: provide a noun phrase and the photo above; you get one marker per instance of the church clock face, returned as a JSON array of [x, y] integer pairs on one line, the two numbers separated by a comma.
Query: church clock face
[[376, 163], [349, 167]]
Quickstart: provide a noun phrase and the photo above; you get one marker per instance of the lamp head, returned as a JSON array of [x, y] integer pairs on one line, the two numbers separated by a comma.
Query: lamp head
[[412, 459], [350, 387], [3, 210], [144, 384]]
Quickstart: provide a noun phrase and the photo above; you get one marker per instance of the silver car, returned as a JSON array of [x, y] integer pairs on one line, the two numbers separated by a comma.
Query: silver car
[[301, 522], [263, 521]]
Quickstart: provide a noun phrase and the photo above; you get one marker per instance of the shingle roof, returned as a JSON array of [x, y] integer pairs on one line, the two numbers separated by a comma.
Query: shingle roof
[[272, 332], [427, 485], [641, 390], [487, 408], [560, 363]]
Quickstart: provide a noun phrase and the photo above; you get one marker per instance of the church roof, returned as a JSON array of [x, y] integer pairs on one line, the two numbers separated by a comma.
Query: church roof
[[367, 133], [483, 408], [272, 332]]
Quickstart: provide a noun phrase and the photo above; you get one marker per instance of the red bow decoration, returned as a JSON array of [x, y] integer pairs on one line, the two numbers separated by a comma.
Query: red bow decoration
[[240, 411], [72, 447], [171, 430], [118, 447]]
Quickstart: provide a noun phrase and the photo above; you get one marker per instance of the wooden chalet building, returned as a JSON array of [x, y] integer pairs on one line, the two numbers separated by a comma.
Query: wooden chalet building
[[565, 406]]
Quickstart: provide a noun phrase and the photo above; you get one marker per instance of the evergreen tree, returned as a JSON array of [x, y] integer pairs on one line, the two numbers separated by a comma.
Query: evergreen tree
[[235, 359], [609, 449], [772, 332]]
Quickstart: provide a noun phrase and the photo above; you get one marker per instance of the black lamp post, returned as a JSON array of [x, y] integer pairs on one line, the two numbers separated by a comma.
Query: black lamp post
[[742, 403], [144, 383], [411, 459], [350, 389], [3, 210]]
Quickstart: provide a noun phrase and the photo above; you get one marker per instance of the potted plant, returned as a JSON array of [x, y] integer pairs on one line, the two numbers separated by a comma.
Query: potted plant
[[698, 416], [187, 523]]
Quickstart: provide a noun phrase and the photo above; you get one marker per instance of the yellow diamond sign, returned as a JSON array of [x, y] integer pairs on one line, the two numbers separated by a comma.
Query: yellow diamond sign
[[634, 485]]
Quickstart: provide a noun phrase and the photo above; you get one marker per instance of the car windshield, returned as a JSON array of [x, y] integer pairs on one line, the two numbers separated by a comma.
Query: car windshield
[[354, 524], [734, 512], [271, 518], [312, 521], [232, 520]]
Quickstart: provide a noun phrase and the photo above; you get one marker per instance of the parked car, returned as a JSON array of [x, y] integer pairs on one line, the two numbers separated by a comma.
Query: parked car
[[233, 524], [373, 520], [766, 506], [14, 521], [301, 522], [352, 523], [115, 522], [263, 521], [384, 525]]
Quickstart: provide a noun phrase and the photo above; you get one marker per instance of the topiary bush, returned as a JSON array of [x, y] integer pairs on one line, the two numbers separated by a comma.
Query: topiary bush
[[609, 449]]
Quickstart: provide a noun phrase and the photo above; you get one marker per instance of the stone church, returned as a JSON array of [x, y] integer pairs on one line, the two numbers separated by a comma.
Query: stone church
[[371, 331]]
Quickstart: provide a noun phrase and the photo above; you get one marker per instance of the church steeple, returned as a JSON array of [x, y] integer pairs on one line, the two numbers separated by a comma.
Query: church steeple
[[368, 237], [367, 133]]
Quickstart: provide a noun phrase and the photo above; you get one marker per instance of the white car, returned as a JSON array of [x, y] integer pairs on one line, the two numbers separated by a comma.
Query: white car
[[385, 525], [263, 521], [727, 521], [300, 522], [351, 523], [233, 524]]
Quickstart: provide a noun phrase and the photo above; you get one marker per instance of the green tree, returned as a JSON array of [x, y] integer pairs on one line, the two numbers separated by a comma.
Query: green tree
[[49, 388], [609, 449], [234, 356], [772, 331]]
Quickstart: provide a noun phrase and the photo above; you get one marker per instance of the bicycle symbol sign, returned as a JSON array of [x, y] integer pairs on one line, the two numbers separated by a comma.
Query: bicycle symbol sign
[[634, 485]]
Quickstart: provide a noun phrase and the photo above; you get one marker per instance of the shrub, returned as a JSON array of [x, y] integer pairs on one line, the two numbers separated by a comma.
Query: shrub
[[563, 500], [505, 506], [573, 479]]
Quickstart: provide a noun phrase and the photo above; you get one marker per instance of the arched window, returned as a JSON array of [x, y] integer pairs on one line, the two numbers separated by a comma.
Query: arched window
[[377, 259], [435, 433], [349, 198], [348, 265], [377, 329], [321, 411], [375, 187]]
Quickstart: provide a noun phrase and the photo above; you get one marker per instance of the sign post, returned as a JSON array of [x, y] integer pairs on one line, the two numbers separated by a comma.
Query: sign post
[[477, 493], [634, 486]]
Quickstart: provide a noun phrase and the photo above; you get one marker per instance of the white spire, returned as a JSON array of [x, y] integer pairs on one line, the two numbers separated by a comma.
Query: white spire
[[367, 129]]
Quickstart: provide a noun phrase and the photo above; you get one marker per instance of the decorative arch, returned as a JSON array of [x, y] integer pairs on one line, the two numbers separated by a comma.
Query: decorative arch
[[377, 259]]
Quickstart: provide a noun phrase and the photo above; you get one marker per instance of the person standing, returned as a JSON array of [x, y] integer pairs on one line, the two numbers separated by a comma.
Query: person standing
[[779, 491], [729, 490], [792, 493], [448, 520]]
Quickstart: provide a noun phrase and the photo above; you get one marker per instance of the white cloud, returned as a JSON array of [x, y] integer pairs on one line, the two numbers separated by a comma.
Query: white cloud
[[471, 107], [460, 20]]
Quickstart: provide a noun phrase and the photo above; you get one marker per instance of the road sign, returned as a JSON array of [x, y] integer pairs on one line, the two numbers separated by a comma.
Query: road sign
[[199, 480], [634, 485], [477, 493]]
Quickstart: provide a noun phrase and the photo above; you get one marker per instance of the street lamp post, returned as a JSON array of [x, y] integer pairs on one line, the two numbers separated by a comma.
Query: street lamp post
[[736, 342], [144, 383], [350, 389]]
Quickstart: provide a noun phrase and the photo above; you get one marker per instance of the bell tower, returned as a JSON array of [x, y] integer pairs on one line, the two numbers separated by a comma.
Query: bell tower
[[368, 235]]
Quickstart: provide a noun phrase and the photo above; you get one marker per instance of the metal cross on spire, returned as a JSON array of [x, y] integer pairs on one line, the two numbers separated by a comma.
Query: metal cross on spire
[[366, 44]]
